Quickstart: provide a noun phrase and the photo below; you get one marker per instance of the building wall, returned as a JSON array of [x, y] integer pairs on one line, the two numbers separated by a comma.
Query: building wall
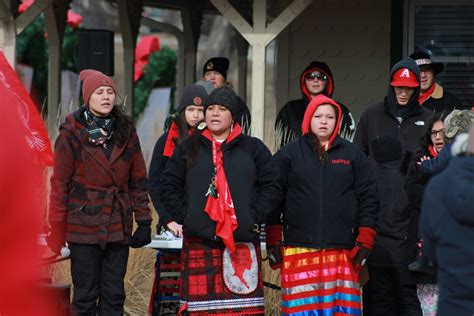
[[352, 37]]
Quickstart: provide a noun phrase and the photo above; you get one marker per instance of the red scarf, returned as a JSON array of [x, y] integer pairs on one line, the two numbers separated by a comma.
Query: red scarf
[[426, 95], [432, 151], [221, 209], [170, 144], [173, 135]]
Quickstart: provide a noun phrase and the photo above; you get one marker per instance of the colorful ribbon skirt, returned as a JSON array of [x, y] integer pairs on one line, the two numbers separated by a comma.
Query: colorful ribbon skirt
[[319, 282]]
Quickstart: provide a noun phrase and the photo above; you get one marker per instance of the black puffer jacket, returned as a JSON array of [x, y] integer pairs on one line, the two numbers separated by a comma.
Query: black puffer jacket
[[407, 123], [325, 202], [291, 115], [415, 187], [157, 165], [394, 216], [252, 176]]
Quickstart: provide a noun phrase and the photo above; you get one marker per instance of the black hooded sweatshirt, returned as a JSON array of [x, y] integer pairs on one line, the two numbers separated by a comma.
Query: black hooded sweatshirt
[[408, 123], [290, 117]]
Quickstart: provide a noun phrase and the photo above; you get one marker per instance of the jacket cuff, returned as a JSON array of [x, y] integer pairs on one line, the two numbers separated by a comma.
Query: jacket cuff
[[366, 237], [273, 235]]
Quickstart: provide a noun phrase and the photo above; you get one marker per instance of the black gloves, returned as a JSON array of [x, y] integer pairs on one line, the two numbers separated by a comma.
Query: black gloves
[[56, 238], [141, 236]]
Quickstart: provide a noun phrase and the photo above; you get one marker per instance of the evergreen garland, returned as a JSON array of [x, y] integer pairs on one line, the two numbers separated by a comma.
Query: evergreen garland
[[32, 50], [159, 72]]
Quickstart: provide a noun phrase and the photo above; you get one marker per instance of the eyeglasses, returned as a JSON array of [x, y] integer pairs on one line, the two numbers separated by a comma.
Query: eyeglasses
[[316, 75], [434, 132]]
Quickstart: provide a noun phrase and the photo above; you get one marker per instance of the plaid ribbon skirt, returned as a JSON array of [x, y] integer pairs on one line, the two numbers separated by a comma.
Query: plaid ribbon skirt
[[203, 291], [319, 282]]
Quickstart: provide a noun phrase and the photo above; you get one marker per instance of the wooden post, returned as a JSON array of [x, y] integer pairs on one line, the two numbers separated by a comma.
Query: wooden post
[[259, 36]]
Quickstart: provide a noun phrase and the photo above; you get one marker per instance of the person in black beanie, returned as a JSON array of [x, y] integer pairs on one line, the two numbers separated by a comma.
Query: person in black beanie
[[190, 112], [390, 293], [215, 71], [220, 185]]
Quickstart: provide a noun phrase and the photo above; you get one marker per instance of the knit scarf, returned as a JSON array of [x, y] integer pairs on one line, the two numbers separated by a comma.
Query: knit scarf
[[100, 129], [425, 95], [219, 205]]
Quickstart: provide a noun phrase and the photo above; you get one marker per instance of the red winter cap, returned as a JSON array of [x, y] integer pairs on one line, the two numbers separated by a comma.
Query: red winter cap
[[91, 80], [404, 77]]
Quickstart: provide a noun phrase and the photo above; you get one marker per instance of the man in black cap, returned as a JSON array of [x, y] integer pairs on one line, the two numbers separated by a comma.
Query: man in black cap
[[432, 95], [215, 71]]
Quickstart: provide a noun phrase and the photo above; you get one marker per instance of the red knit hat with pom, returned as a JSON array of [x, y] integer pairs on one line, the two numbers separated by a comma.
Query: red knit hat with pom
[[91, 80]]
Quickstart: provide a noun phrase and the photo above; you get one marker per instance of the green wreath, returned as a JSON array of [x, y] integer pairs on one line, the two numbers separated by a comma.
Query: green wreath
[[159, 72], [32, 50]]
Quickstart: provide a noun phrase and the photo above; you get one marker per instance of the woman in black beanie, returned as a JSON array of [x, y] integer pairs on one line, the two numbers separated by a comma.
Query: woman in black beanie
[[220, 184]]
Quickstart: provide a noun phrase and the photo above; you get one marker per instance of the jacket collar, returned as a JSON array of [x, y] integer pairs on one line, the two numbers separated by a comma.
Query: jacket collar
[[308, 139], [438, 92]]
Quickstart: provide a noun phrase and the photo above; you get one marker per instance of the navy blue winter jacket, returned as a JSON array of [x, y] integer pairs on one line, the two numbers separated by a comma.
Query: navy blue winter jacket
[[447, 227], [434, 166]]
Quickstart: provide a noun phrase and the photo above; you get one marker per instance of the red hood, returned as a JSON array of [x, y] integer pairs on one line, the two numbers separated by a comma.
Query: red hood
[[324, 69], [312, 106]]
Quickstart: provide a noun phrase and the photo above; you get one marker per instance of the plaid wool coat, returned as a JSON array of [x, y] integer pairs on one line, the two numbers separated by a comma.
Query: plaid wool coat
[[93, 197]]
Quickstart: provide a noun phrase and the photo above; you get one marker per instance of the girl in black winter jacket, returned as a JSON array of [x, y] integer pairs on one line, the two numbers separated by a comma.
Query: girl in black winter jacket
[[190, 112], [328, 216], [220, 185]]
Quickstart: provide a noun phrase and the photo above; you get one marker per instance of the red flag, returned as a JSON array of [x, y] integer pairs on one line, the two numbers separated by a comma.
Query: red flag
[[21, 198], [17, 102]]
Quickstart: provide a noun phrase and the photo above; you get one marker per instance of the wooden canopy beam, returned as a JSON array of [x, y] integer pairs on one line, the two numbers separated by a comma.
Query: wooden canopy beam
[[259, 36]]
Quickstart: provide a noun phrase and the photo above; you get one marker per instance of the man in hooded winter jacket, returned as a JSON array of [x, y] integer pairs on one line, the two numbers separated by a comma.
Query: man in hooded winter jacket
[[399, 115], [315, 79]]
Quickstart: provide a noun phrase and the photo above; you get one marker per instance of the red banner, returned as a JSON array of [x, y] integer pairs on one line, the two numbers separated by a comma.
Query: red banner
[[17, 102], [21, 201]]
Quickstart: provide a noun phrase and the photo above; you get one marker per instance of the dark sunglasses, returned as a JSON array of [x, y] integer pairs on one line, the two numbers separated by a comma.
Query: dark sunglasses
[[316, 75]]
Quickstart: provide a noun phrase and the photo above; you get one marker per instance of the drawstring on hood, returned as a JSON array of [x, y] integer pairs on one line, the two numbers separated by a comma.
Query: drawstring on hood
[[324, 69], [312, 107]]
